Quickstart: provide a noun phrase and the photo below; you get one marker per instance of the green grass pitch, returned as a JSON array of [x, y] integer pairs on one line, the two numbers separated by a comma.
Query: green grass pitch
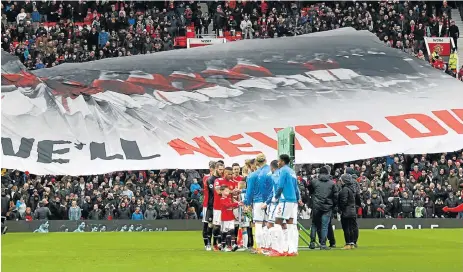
[[380, 250]]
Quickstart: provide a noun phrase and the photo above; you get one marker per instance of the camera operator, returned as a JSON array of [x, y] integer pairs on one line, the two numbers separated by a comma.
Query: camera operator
[[324, 198]]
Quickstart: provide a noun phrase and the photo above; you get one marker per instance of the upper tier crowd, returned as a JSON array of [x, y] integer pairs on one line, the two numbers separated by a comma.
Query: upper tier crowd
[[83, 31]]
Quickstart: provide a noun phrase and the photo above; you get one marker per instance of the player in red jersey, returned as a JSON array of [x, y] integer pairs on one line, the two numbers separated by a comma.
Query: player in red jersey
[[236, 169], [228, 218], [216, 180], [227, 180], [207, 208]]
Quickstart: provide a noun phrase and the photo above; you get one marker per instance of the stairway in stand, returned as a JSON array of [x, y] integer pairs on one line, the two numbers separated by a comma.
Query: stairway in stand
[[204, 9], [456, 16]]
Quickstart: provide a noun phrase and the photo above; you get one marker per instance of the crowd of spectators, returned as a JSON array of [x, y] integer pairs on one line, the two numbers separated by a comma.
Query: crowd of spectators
[[87, 31], [395, 186]]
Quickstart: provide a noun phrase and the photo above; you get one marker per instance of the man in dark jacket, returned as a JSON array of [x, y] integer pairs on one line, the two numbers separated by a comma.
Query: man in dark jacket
[[42, 212], [331, 238], [123, 212], [358, 203], [347, 209], [5, 203], [95, 214], [406, 204], [324, 199], [454, 32]]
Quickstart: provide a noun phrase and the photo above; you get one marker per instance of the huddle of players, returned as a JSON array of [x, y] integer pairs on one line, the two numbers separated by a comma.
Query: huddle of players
[[272, 194]]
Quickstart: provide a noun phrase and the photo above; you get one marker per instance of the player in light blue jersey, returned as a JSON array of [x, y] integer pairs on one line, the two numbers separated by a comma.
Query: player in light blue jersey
[[256, 194], [287, 195], [272, 177], [265, 184]]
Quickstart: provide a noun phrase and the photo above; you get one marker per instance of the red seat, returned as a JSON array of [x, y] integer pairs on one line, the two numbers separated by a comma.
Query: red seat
[[190, 32], [180, 42], [49, 24]]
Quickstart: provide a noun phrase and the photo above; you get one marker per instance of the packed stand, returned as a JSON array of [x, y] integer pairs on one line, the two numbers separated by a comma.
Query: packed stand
[[391, 187], [137, 195], [401, 186], [87, 31], [44, 34]]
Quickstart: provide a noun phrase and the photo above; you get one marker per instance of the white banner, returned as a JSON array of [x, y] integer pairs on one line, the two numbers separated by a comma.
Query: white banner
[[181, 110]]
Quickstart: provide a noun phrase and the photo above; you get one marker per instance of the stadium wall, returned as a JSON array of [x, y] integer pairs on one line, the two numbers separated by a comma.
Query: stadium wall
[[196, 225]]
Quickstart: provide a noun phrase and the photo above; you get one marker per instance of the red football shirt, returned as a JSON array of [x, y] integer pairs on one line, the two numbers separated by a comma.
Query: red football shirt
[[237, 181], [227, 208], [220, 182], [206, 190]]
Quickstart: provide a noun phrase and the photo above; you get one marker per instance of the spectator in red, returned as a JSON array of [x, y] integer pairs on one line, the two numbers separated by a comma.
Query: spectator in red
[[416, 173], [28, 216]]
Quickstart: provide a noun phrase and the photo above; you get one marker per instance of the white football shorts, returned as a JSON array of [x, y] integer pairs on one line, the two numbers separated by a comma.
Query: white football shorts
[[285, 210], [258, 214], [217, 218]]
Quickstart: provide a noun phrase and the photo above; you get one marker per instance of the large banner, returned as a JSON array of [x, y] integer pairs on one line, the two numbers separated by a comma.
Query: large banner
[[196, 225], [347, 99]]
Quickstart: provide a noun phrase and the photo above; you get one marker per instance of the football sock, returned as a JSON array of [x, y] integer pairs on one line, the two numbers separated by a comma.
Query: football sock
[[277, 237], [284, 244], [250, 237], [224, 239], [230, 238], [209, 234], [245, 237], [259, 235], [205, 237], [217, 236], [265, 232], [269, 238], [292, 238]]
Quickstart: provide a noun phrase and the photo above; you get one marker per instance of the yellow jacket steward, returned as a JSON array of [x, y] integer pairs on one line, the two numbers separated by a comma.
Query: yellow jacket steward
[[453, 59]]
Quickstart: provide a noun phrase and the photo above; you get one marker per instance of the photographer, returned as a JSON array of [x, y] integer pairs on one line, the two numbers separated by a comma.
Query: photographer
[[109, 211]]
